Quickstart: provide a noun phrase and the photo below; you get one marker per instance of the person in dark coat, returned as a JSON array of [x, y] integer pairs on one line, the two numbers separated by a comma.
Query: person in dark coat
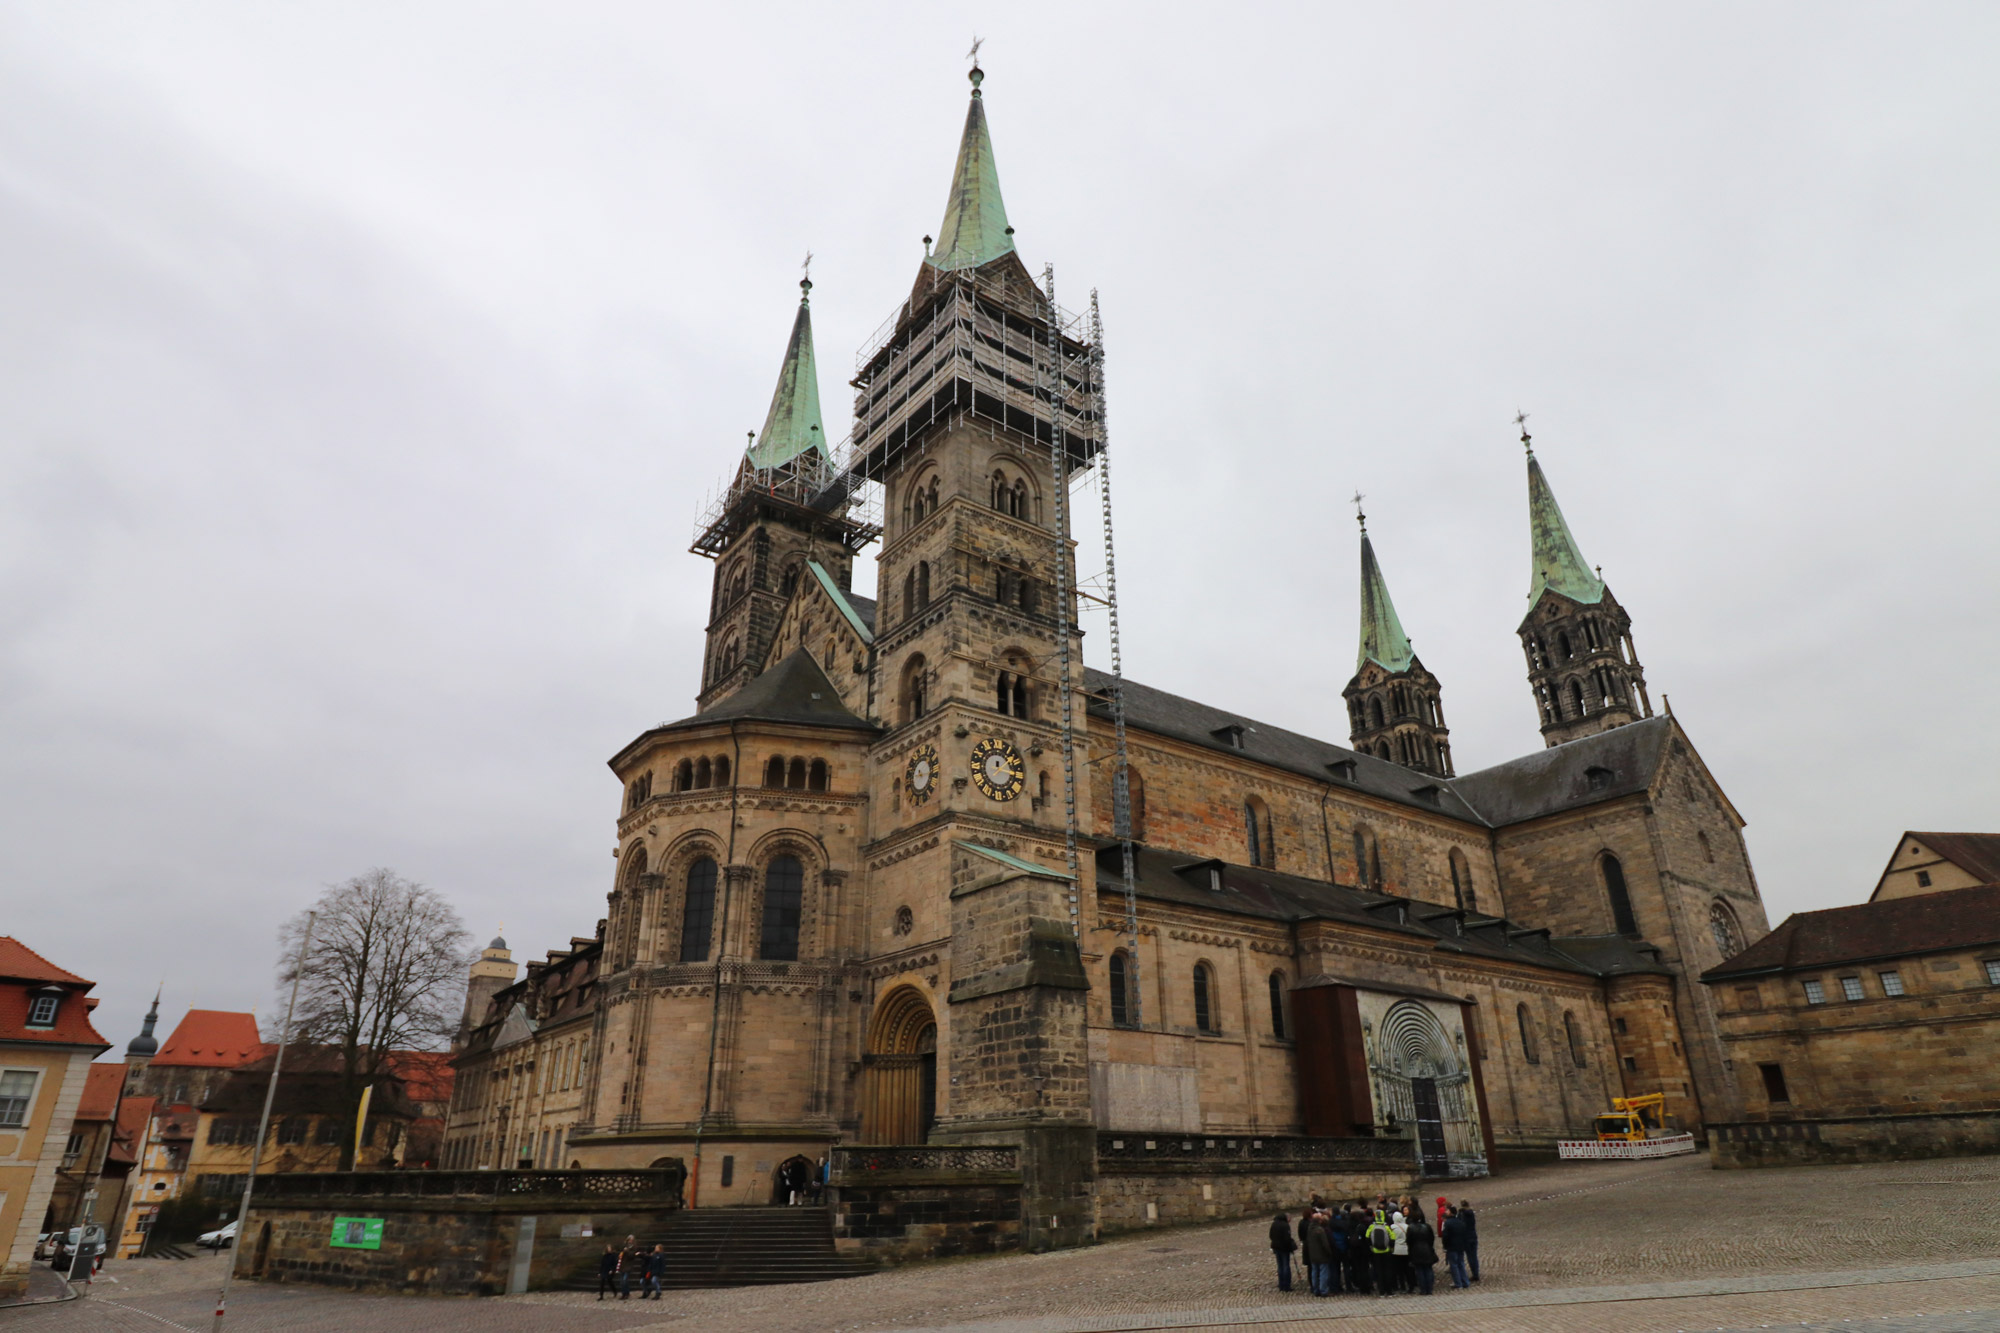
[[1319, 1255], [1336, 1232], [631, 1264], [1453, 1238], [1282, 1245], [656, 1272], [1471, 1237], [1422, 1240], [1357, 1250], [607, 1271]]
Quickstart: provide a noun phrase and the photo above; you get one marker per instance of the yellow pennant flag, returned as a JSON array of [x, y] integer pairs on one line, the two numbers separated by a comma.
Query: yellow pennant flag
[[361, 1124]]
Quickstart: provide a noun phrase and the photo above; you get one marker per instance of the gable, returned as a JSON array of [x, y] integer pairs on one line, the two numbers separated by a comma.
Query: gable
[[1938, 863], [823, 623]]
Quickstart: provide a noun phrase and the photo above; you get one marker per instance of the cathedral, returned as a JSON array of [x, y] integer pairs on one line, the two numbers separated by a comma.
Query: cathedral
[[913, 873]]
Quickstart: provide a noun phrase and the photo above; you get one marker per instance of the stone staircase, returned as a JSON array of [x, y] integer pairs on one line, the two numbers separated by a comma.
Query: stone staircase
[[740, 1247]]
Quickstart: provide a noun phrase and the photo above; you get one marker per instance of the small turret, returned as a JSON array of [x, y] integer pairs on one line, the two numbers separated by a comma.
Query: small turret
[[142, 1048], [491, 973], [1581, 663]]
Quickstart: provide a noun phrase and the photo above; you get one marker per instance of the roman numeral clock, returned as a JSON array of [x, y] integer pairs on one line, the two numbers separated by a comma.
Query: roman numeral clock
[[997, 769]]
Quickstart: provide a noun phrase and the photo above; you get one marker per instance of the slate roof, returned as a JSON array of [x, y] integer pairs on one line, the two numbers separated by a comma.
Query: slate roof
[[213, 1039], [1542, 783], [794, 691], [1163, 876], [1893, 928], [1977, 854]]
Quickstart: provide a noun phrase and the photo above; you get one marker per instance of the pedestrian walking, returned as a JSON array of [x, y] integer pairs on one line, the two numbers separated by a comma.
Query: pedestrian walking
[[656, 1272], [1319, 1255], [1471, 1237], [1452, 1236], [631, 1263], [1282, 1245], [1422, 1241], [607, 1271]]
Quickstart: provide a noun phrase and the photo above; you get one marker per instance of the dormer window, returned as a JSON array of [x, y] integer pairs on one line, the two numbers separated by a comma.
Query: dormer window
[[1429, 795], [1231, 735], [1599, 779], [1215, 879], [1344, 769], [42, 1009]]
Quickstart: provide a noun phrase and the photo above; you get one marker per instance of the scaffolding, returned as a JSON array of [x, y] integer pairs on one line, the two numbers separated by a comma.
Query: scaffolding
[[820, 493]]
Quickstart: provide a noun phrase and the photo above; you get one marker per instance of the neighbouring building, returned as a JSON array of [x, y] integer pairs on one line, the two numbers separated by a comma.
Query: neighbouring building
[[851, 907], [46, 1046], [1871, 1031], [94, 1158]]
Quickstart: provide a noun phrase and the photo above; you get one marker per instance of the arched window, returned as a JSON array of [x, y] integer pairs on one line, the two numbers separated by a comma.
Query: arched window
[[1614, 889], [795, 775], [739, 583], [1461, 882], [698, 911], [1121, 995], [923, 583], [1575, 1034], [704, 774], [914, 704], [684, 776], [722, 770], [1204, 1005], [1020, 499], [816, 776], [1375, 711], [1278, 1005], [774, 772], [1257, 832], [1723, 929], [1576, 702], [1562, 645], [784, 895], [1135, 804], [1707, 852], [791, 579], [1528, 1049]]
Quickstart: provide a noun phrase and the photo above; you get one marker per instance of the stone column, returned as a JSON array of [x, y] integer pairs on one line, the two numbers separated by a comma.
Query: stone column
[[1019, 1060]]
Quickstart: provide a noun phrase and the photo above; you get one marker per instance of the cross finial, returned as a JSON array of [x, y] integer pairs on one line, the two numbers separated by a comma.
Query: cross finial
[[973, 54], [806, 274], [1359, 516], [976, 74], [1521, 420]]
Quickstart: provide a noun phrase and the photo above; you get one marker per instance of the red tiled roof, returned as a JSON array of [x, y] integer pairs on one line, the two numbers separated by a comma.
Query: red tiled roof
[[20, 963], [426, 1075], [1895, 927], [1977, 854], [100, 1092], [213, 1039], [129, 1134]]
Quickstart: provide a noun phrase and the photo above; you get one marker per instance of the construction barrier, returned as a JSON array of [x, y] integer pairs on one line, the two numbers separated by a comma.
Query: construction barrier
[[1591, 1150]]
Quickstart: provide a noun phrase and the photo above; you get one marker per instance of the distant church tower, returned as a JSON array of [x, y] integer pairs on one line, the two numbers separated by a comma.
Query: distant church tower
[[787, 504], [492, 972], [1581, 662], [1395, 707]]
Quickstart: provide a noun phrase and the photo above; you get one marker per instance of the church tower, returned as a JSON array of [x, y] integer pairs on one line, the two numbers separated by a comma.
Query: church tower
[[1395, 707], [787, 504], [1578, 639]]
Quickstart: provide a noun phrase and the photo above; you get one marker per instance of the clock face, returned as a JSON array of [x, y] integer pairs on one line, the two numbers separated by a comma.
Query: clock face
[[997, 769], [920, 775]]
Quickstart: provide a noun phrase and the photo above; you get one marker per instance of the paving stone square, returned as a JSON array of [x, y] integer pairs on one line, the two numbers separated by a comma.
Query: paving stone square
[[1641, 1247]]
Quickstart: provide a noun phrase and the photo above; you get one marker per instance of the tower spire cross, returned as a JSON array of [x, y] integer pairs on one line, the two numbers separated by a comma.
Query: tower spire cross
[[973, 54], [1521, 420], [1359, 516]]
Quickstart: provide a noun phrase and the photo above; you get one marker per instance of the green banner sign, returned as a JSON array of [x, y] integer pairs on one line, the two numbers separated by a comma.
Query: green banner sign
[[357, 1233]]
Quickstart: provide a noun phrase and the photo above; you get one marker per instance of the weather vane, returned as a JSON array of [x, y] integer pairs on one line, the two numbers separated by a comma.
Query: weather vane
[[1359, 517], [1521, 420], [973, 54]]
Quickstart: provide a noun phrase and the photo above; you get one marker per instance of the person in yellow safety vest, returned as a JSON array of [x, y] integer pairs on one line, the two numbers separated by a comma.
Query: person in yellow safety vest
[[1382, 1248]]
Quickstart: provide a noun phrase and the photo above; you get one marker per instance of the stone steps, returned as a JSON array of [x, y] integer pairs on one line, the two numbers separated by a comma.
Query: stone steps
[[740, 1247]]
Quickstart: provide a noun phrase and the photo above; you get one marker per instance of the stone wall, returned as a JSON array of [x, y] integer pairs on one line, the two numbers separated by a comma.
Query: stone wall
[[1853, 1139], [1173, 1181], [892, 1205]]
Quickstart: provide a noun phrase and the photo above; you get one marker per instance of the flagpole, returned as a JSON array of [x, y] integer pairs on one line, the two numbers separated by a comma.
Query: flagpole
[[263, 1127]]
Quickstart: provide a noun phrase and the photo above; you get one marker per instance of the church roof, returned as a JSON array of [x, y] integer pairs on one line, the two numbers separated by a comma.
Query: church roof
[[792, 427], [974, 230], [1382, 637], [1160, 875], [1977, 854], [1558, 563], [1603, 767], [847, 609], [796, 690], [1889, 928]]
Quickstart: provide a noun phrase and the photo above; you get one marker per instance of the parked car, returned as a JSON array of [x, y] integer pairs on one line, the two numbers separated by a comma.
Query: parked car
[[43, 1243], [220, 1239], [66, 1242]]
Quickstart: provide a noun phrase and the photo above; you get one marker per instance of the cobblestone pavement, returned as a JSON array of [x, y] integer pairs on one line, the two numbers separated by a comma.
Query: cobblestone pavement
[[1642, 1247]]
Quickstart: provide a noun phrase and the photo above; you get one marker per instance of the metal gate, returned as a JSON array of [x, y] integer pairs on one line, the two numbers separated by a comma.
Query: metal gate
[[1430, 1128]]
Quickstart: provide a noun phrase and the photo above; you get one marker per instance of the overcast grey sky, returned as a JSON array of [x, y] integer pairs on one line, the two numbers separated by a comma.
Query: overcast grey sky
[[363, 366]]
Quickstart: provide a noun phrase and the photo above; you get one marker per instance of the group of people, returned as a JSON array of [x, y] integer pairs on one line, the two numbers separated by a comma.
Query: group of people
[[1388, 1247], [622, 1265]]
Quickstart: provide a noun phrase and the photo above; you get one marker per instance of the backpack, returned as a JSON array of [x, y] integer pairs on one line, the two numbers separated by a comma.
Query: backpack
[[1380, 1239]]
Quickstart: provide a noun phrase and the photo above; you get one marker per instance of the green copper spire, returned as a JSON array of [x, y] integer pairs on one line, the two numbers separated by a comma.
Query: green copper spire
[[1558, 562], [975, 229], [1382, 637], [792, 427]]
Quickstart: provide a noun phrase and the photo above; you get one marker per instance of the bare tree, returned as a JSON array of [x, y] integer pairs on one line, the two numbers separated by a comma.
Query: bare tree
[[386, 972]]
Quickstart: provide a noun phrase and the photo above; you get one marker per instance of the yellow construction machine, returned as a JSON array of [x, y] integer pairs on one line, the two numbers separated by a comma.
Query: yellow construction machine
[[1632, 1119]]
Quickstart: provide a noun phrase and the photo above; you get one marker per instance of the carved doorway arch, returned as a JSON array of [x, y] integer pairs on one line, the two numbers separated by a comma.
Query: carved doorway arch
[[899, 1070]]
